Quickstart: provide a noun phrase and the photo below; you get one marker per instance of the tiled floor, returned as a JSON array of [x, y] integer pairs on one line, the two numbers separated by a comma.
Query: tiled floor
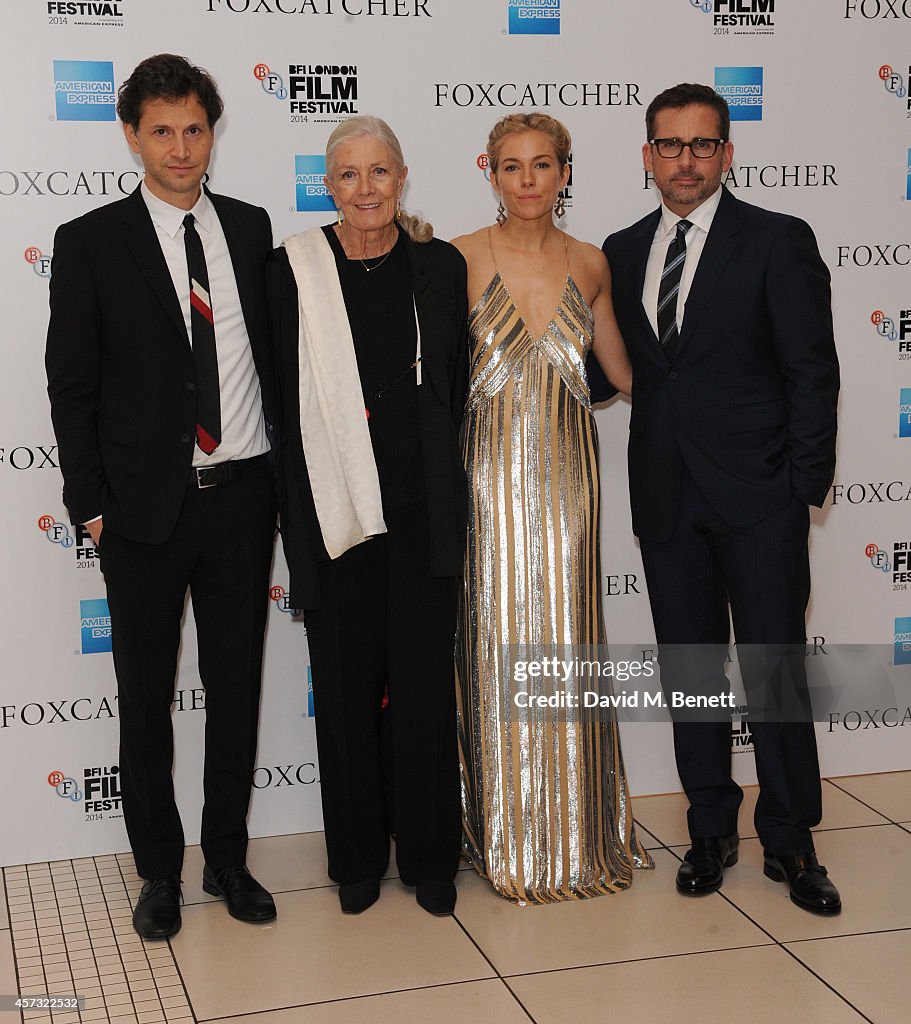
[[745, 954]]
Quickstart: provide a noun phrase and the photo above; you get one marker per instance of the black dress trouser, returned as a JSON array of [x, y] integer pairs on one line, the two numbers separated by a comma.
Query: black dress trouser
[[763, 573], [384, 623], [221, 551]]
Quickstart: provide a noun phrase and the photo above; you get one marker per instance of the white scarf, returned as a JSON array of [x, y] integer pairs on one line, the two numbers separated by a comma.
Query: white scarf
[[337, 447]]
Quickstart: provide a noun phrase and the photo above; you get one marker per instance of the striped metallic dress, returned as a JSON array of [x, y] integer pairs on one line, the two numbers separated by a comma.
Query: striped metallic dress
[[545, 806]]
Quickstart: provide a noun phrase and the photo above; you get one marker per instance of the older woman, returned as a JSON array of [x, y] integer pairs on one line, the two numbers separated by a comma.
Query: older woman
[[370, 324]]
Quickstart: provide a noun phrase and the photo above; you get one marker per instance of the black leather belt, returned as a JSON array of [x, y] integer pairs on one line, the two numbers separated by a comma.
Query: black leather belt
[[204, 477]]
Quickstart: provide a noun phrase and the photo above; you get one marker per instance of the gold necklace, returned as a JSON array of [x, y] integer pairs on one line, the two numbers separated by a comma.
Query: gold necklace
[[376, 266]]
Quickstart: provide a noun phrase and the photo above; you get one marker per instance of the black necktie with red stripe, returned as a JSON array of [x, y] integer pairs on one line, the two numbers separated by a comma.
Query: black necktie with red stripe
[[202, 324]]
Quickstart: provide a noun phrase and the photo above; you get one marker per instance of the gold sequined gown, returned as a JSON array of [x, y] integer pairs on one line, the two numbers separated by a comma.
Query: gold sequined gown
[[545, 805]]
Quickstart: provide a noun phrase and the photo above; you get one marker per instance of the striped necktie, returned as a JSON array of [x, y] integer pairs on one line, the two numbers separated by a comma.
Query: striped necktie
[[670, 288], [205, 357]]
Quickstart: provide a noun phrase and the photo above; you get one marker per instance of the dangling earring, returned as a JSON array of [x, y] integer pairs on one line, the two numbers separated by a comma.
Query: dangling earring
[[339, 217], [559, 206], [501, 213], [398, 212]]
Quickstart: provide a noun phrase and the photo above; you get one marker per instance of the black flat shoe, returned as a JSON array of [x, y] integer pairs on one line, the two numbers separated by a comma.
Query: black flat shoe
[[356, 897], [702, 870], [244, 897], [437, 898], [808, 881], [157, 913]]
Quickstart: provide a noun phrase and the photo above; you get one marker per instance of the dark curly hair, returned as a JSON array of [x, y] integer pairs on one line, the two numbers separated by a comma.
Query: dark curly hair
[[167, 77]]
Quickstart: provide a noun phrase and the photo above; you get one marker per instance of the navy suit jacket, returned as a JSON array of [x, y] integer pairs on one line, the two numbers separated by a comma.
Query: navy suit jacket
[[749, 401], [120, 367]]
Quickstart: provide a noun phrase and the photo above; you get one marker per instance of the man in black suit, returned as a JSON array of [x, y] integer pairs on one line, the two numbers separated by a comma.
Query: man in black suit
[[161, 390], [725, 309]]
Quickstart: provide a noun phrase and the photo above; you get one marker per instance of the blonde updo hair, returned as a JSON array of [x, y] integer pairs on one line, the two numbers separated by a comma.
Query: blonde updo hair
[[515, 124], [418, 230]]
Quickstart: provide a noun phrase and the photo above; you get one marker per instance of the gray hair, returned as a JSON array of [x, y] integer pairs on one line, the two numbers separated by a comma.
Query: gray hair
[[366, 124]]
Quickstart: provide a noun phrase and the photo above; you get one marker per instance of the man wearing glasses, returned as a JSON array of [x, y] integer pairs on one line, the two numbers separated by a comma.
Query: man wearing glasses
[[725, 309]]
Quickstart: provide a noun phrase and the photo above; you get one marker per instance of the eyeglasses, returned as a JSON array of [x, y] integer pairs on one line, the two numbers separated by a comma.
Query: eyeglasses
[[702, 149]]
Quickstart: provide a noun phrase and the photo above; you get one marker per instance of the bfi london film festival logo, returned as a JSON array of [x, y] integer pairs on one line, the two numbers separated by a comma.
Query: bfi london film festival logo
[[565, 193], [79, 540], [742, 88], [95, 626], [309, 186], [534, 17], [899, 568], [86, 13], [84, 90], [739, 17], [902, 641], [328, 92], [887, 328], [65, 787], [282, 600], [898, 85], [40, 262], [100, 794]]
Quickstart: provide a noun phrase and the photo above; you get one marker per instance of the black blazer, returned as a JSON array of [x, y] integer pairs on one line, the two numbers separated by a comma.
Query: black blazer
[[119, 364], [749, 401], [439, 280]]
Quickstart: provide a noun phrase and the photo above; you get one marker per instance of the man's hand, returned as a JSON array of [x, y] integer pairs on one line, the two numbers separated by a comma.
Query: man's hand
[[95, 527]]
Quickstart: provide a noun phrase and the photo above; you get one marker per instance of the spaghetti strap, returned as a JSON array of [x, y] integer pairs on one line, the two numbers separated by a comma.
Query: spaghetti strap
[[490, 246]]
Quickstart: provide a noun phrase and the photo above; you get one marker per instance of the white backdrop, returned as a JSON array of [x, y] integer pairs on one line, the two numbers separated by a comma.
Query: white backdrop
[[832, 145]]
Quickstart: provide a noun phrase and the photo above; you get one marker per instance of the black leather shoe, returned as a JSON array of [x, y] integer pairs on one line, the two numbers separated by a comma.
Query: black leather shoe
[[157, 913], [703, 866], [808, 882], [437, 898], [244, 897], [356, 897]]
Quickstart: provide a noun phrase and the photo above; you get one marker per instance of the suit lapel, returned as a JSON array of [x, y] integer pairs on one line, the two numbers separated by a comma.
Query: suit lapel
[[720, 243], [143, 243], [642, 247]]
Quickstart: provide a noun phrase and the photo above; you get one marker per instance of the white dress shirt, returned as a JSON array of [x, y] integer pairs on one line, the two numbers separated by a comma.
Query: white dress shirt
[[243, 431], [701, 218]]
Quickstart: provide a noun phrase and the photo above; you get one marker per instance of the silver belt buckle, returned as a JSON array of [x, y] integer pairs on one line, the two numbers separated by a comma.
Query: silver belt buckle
[[199, 470]]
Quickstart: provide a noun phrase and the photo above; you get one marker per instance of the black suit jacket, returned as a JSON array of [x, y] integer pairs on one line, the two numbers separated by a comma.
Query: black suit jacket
[[749, 401], [120, 368], [439, 280]]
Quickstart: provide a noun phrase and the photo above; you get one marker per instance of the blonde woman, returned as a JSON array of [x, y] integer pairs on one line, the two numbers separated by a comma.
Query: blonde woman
[[545, 806]]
